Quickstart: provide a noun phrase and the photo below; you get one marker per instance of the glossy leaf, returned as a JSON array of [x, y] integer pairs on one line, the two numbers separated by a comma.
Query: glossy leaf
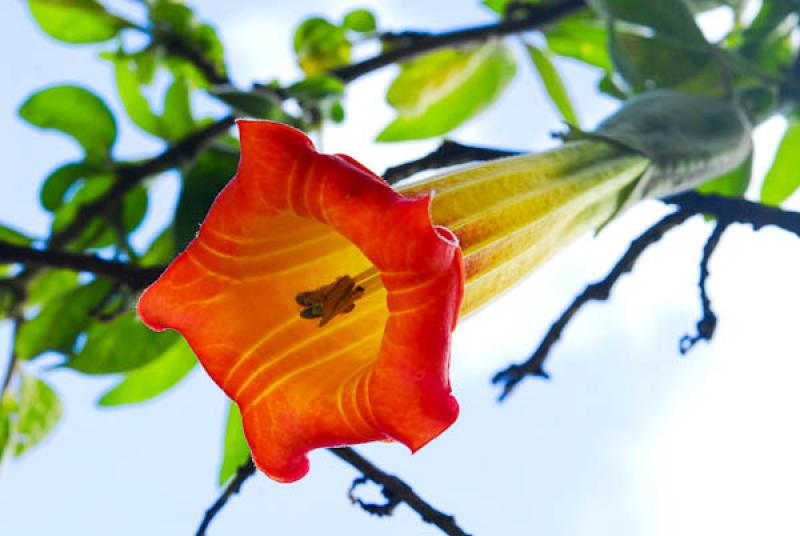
[[783, 178], [583, 38], [359, 20], [235, 451], [153, 379], [201, 185], [177, 120], [38, 412], [119, 345], [57, 326], [74, 111], [129, 86], [320, 46], [437, 92], [76, 21], [553, 84], [9, 235], [672, 19], [59, 182], [732, 184], [160, 251], [252, 103], [48, 284]]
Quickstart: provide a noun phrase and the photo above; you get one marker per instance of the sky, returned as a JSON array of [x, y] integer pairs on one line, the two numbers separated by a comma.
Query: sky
[[627, 438]]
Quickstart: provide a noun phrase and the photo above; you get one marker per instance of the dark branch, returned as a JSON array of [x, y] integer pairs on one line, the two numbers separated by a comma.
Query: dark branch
[[449, 153], [396, 491], [380, 510], [536, 17], [708, 321], [177, 46], [243, 473], [599, 291], [737, 210], [130, 175], [136, 277]]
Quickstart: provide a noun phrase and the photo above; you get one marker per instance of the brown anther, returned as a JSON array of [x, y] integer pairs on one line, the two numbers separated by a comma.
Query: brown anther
[[329, 300]]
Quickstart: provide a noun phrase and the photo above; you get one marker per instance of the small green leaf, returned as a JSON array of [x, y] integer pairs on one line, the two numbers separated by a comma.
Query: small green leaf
[[77, 112], [58, 183], [437, 92], [583, 38], [360, 20], [668, 18], [76, 21], [129, 87], [317, 88], [235, 449], [201, 183], [783, 178], [9, 235], [88, 190], [60, 320], [161, 250], [252, 103], [7, 426], [553, 84], [120, 345], [153, 379], [731, 184], [177, 120], [320, 46], [38, 413], [48, 284]]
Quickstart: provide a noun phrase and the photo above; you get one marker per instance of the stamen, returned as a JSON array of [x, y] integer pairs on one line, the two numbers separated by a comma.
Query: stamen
[[338, 297]]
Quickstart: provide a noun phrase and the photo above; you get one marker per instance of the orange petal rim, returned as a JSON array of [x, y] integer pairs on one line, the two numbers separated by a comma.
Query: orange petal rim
[[293, 220]]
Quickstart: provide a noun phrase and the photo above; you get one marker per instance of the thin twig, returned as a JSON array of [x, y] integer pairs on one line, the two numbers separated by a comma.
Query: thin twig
[[130, 175], [396, 491], [136, 277], [537, 16], [708, 321], [243, 473], [598, 291], [449, 153]]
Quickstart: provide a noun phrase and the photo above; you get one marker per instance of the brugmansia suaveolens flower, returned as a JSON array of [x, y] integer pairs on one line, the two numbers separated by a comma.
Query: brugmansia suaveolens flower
[[322, 301]]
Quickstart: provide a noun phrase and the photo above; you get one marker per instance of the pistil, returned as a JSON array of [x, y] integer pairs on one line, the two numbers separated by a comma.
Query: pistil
[[338, 297]]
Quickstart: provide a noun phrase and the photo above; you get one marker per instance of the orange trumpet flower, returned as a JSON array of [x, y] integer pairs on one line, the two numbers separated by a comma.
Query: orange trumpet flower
[[322, 301]]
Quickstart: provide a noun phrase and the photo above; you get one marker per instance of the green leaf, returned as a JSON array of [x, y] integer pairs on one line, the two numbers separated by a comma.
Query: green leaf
[[7, 426], [320, 46], [161, 250], [177, 120], [39, 410], [89, 190], [731, 184], [317, 88], [60, 320], [668, 18], [76, 21], [129, 87], [783, 178], [437, 92], [553, 84], [235, 449], [153, 379], [58, 183], [583, 38], [360, 20], [77, 112], [11, 236], [202, 182], [120, 345], [48, 284], [252, 103], [646, 63], [499, 6]]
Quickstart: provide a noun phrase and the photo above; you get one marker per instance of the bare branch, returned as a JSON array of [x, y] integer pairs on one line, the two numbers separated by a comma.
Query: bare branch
[[599, 291], [708, 321], [130, 175], [136, 277], [535, 17], [395, 491], [243, 473], [449, 153]]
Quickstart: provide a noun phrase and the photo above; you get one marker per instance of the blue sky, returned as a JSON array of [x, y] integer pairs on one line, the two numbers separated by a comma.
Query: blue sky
[[627, 439]]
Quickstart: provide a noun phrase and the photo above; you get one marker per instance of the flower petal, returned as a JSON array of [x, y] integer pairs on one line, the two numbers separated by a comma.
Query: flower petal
[[293, 220]]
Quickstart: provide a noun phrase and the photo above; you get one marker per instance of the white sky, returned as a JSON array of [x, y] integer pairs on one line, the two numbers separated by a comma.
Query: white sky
[[627, 439]]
